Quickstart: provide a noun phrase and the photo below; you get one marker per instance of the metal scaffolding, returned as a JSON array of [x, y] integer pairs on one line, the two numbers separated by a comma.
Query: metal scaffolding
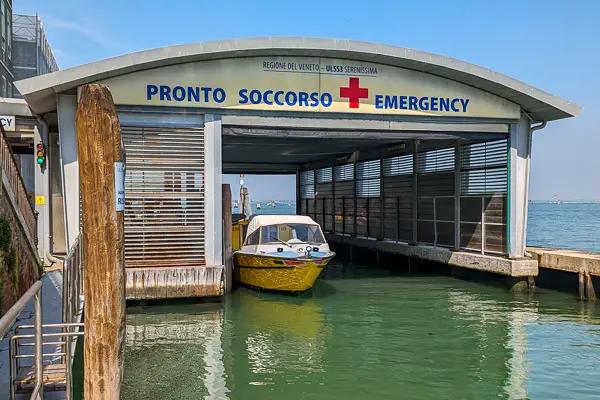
[[32, 54]]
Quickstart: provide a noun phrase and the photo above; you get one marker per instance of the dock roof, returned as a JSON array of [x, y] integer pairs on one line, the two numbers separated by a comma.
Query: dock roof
[[40, 91]]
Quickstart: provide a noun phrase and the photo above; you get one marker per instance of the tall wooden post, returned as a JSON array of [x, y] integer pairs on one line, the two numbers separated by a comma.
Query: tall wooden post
[[99, 148], [227, 239]]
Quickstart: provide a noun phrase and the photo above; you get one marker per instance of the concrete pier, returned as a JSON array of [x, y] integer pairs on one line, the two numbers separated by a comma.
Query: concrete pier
[[515, 268], [585, 264]]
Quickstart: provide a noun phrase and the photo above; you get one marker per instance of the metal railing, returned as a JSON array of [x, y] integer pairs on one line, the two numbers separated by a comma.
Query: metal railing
[[73, 299], [34, 293], [56, 379], [57, 373], [331, 220], [17, 186], [73, 283]]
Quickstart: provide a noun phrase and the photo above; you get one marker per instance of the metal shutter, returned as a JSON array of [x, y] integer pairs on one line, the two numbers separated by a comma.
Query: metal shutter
[[164, 196]]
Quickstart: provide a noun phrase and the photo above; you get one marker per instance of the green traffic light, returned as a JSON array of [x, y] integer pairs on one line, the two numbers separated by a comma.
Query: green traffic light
[[40, 160]]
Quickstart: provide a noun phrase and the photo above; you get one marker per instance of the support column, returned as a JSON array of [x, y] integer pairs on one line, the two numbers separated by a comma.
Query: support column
[[415, 190], [69, 166], [457, 184], [213, 210], [298, 200], [518, 186]]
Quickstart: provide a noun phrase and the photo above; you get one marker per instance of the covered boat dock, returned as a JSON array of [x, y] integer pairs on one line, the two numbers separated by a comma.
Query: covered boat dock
[[394, 150]]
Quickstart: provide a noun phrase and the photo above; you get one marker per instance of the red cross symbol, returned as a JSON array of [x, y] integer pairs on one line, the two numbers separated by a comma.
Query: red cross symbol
[[354, 92]]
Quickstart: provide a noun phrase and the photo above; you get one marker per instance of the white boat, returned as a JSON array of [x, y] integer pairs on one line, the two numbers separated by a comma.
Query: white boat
[[282, 252], [258, 206]]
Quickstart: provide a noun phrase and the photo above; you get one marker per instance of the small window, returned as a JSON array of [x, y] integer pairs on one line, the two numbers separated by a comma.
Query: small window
[[252, 239]]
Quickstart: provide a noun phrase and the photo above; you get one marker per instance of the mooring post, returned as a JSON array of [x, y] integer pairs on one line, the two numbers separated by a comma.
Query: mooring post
[[101, 175], [590, 293], [227, 237], [581, 286]]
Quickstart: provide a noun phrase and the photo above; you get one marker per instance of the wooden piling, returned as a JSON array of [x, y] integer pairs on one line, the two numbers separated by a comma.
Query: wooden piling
[[590, 293], [227, 239], [99, 147], [581, 277]]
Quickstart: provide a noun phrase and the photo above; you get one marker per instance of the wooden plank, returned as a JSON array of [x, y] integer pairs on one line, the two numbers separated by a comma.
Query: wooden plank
[[99, 147]]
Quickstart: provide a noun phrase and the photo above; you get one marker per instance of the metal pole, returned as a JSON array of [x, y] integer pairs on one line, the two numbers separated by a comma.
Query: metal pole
[[397, 218], [482, 225], [343, 215], [68, 377], [415, 192], [65, 301], [435, 233], [381, 199], [323, 212], [39, 372], [13, 367], [457, 167], [368, 217], [354, 197]]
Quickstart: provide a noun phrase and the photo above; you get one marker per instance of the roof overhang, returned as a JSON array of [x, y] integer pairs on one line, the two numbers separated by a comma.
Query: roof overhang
[[40, 92], [16, 107]]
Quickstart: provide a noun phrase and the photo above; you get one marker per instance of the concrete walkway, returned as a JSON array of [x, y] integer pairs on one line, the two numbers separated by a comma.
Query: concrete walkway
[[52, 314]]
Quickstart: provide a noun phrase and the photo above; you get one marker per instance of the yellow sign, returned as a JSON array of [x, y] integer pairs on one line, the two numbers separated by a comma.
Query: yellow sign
[[308, 84], [40, 200]]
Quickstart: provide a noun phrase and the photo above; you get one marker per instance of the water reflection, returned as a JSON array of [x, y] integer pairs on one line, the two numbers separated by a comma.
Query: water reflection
[[285, 337], [366, 334]]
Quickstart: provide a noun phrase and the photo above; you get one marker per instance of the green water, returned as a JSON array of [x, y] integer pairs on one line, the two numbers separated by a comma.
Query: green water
[[365, 333]]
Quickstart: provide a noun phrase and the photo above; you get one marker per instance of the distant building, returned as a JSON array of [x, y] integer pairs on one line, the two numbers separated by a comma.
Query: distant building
[[31, 52], [24, 53], [6, 33]]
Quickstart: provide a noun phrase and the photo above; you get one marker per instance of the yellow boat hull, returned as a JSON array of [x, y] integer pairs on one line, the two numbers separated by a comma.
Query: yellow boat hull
[[273, 273]]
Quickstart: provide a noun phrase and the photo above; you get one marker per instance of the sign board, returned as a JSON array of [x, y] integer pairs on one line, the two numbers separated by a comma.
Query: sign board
[[119, 186], [310, 84], [8, 122], [40, 200]]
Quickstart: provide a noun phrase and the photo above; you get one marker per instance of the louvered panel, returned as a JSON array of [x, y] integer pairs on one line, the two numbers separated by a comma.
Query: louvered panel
[[436, 160], [307, 184], [400, 165], [484, 155], [325, 175], [368, 178], [484, 168], [367, 169], [165, 199], [344, 172], [484, 181]]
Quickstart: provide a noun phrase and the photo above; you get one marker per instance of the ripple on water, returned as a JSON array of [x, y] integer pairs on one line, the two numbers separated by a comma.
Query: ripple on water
[[365, 333]]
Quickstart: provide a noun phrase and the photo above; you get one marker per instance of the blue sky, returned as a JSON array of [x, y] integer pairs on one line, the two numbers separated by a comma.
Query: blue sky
[[550, 44]]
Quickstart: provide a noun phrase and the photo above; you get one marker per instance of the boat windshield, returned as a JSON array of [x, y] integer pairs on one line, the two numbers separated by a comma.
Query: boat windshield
[[299, 233]]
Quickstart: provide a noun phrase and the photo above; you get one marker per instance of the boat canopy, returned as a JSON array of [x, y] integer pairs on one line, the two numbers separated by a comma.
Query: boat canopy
[[264, 220]]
